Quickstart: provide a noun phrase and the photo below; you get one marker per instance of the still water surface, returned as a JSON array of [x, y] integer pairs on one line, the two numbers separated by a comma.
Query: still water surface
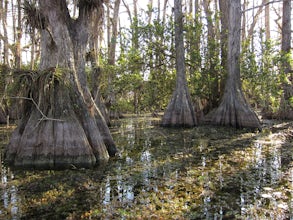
[[200, 173]]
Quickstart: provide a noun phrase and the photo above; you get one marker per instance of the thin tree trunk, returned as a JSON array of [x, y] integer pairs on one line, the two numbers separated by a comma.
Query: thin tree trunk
[[33, 48], [234, 110], [18, 36], [135, 26], [286, 108], [224, 18], [93, 56], [267, 21], [112, 32], [164, 11], [5, 34], [243, 31], [255, 19], [180, 112]]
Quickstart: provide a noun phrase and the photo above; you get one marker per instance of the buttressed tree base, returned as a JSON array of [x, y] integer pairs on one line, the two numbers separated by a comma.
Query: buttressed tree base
[[61, 125]]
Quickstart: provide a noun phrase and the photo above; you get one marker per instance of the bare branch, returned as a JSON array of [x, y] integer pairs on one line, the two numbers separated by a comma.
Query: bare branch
[[44, 117], [262, 5]]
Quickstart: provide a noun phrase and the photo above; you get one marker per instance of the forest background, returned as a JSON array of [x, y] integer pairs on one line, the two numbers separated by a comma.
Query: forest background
[[134, 50]]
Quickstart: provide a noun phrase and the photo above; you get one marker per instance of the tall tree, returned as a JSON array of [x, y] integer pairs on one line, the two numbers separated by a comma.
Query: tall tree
[[224, 18], [243, 31], [58, 126], [286, 109], [18, 36], [234, 110], [112, 42], [4, 37], [179, 111], [267, 20]]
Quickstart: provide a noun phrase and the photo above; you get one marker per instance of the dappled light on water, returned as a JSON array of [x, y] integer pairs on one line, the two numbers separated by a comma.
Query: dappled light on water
[[160, 173]]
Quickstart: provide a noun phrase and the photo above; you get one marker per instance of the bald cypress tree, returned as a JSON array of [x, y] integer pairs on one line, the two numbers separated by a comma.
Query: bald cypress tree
[[234, 110], [61, 125], [179, 112]]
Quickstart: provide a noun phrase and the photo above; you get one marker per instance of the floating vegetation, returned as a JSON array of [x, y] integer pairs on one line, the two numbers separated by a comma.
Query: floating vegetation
[[200, 173]]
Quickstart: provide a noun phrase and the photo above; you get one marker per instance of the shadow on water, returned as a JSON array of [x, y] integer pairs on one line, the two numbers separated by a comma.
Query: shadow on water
[[200, 173]]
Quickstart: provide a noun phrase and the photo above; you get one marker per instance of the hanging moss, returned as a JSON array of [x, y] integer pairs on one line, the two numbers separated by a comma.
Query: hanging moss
[[32, 16]]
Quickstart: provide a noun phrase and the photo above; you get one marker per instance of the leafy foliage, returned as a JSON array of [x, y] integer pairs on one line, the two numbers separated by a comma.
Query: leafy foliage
[[262, 78]]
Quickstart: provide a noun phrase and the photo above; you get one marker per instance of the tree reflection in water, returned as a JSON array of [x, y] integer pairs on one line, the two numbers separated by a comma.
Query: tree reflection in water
[[200, 173]]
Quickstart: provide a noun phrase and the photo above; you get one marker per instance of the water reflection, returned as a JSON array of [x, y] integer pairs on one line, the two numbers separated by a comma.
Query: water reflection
[[9, 198], [200, 173]]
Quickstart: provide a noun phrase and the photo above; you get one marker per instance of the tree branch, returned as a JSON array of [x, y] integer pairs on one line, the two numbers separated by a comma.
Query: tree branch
[[262, 5], [44, 117]]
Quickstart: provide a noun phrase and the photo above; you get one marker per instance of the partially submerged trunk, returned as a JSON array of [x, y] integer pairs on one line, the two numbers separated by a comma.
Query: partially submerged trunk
[[234, 110], [55, 132], [179, 112], [58, 127]]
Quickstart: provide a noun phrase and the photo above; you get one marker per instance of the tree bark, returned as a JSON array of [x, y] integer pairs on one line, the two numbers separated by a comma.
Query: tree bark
[[224, 18], [243, 31], [286, 107], [267, 21], [179, 112], [234, 110], [112, 38], [5, 34], [18, 36], [58, 127]]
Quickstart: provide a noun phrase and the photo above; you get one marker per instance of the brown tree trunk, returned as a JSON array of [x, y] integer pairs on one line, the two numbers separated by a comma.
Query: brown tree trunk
[[112, 38], [267, 21], [286, 108], [18, 36], [234, 110], [164, 11], [224, 18], [5, 34], [179, 112], [58, 126], [243, 31]]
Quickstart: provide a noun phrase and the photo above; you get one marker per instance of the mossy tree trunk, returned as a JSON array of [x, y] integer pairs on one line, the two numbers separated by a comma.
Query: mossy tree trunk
[[58, 127], [180, 111], [234, 110]]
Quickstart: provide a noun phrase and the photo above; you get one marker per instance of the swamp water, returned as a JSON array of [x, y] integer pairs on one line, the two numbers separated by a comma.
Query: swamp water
[[200, 173]]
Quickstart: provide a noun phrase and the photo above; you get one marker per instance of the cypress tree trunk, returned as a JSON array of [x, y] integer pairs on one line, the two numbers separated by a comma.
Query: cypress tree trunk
[[286, 108], [234, 110], [58, 127], [179, 111], [224, 16]]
